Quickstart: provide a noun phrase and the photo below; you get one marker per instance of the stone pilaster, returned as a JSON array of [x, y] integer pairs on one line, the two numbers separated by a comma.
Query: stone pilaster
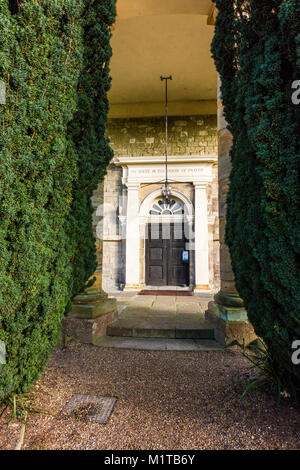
[[201, 238], [132, 238], [227, 312]]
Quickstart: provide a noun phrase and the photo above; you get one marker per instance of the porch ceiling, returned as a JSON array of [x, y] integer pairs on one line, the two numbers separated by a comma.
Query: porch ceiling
[[153, 38], [132, 8]]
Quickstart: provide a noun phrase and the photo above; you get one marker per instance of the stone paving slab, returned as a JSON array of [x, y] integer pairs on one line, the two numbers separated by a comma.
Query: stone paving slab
[[188, 308], [163, 307], [163, 317], [156, 344], [188, 300], [160, 305]]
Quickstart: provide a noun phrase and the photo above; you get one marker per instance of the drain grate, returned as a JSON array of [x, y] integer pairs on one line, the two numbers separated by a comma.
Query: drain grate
[[91, 408]]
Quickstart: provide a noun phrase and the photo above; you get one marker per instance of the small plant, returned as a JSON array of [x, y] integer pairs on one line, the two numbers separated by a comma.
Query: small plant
[[265, 369], [84, 411], [21, 406]]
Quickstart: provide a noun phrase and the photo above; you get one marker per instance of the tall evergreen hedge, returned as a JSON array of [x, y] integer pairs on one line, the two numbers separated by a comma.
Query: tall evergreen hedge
[[257, 53], [52, 148], [87, 132]]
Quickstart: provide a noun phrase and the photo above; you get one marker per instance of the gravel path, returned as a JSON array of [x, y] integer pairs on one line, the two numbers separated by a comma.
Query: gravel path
[[166, 400]]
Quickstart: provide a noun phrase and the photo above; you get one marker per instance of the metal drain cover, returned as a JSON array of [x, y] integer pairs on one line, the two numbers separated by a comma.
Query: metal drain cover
[[91, 408]]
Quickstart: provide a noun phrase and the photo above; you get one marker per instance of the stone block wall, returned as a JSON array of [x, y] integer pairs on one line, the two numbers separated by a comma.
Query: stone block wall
[[188, 135]]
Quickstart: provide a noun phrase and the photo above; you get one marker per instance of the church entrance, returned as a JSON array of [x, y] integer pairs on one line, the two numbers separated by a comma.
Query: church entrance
[[167, 260]]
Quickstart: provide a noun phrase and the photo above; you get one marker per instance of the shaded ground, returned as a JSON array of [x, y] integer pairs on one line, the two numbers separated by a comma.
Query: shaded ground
[[134, 306], [163, 310], [166, 400]]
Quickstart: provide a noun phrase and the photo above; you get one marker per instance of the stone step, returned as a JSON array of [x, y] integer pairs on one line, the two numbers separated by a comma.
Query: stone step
[[159, 344], [160, 329]]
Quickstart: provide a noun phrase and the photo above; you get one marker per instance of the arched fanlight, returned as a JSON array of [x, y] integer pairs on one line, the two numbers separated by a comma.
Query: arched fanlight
[[170, 207]]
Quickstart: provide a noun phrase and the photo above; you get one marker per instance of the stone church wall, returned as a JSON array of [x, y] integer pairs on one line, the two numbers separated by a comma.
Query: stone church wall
[[188, 135], [193, 135]]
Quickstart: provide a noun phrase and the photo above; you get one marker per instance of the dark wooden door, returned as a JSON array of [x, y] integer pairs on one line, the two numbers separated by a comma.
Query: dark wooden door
[[164, 249]]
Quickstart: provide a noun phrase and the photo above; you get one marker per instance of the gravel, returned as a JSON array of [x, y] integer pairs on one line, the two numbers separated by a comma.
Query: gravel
[[166, 400]]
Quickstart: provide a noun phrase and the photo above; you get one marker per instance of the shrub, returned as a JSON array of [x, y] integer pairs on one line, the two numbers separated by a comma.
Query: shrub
[[257, 53], [87, 132], [54, 60], [40, 61]]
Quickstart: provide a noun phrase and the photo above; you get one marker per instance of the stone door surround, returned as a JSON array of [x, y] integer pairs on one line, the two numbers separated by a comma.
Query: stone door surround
[[195, 169]]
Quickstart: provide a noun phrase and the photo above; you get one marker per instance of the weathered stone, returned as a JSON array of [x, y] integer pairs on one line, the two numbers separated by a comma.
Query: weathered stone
[[95, 309], [229, 299], [139, 129], [227, 313], [231, 334], [87, 330]]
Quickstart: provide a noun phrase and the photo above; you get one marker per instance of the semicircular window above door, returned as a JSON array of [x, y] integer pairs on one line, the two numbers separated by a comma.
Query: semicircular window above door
[[162, 208]]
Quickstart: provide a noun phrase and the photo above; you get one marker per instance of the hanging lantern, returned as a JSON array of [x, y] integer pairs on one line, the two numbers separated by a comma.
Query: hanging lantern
[[166, 189]]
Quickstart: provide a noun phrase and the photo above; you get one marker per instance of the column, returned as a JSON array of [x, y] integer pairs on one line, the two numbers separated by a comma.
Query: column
[[227, 312], [92, 310], [132, 238], [201, 238], [224, 169]]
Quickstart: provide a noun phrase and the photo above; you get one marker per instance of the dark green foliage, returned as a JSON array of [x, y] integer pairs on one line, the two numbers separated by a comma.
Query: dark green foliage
[[257, 53], [88, 134], [52, 56], [40, 61]]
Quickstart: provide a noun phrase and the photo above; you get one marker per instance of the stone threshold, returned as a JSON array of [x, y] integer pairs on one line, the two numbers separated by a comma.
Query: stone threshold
[[166, 292], [156, 344], [152, 328]]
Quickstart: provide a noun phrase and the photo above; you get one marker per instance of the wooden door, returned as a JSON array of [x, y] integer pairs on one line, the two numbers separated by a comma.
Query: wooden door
[[164, 262]]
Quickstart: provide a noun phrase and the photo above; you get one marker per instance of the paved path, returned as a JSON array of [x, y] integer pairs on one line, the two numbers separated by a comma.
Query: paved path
[[163, 312], [171, 309], [153, 322]]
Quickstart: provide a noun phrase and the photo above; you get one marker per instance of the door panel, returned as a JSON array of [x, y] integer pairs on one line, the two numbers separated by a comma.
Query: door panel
[[178, 271], [156, 254], [156, 257]]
